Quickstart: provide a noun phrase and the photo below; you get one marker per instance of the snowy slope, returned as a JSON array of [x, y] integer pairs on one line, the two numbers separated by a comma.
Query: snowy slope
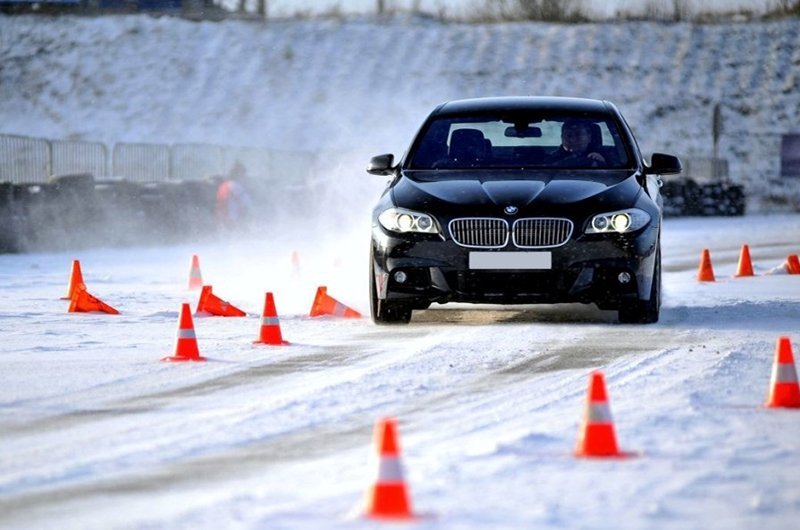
[[366, 85]]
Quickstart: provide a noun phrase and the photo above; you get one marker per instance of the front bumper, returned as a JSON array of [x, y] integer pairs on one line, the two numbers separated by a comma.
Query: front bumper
[[586, 269]]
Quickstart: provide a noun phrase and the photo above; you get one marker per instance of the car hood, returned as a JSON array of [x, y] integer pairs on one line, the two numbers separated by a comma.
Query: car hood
[[527, 190]]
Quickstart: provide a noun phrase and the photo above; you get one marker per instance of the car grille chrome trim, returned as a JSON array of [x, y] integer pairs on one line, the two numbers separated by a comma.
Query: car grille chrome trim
[[479, 232], [531, 232], [541, 232]]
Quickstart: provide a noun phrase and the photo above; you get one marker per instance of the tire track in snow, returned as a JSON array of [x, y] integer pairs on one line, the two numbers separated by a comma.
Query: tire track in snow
[[326, 357], [310, 441], [138, 442], [184, 470]]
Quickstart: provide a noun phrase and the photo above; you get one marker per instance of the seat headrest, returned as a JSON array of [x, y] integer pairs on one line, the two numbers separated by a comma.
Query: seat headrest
[[467, 143]]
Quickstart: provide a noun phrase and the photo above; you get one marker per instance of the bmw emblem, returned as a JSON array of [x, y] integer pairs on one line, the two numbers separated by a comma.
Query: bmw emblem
[[511, 210]]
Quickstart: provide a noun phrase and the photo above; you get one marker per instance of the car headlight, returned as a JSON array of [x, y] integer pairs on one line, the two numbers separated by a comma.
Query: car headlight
[[402, 220], [620, 222]]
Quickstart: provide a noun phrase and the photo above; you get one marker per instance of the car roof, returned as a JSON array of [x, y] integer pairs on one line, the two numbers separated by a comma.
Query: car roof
[[511, 103]]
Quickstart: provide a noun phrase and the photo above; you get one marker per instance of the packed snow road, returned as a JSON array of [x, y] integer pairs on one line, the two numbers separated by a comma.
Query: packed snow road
[[95, 432]]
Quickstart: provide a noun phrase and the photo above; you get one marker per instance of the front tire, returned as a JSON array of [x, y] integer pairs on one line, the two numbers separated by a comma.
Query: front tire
[[384, 311], [645, 311]]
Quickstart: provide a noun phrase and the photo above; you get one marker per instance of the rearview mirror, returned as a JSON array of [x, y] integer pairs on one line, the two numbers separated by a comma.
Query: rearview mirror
[[523, 132], [661, 164], [381, 165]]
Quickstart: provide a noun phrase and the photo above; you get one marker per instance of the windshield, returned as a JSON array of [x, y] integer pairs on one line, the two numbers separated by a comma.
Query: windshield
[[520, 141]]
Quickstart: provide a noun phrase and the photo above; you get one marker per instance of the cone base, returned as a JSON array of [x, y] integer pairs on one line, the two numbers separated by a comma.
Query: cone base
[[784, 395], [176, 359], [621, 455], [206, 313], [107, 311], [783, 406], [388, 501], [784, 402], [281, 343], [399, 517]]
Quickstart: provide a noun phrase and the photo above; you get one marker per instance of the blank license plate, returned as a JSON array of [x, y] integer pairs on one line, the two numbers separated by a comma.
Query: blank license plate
[[510, 260]]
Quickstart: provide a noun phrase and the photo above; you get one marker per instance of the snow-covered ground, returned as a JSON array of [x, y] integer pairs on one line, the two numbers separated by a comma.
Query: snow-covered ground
[[98, 433]]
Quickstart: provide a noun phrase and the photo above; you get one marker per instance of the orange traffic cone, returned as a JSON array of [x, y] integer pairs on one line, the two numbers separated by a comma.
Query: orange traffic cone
[[75, 280], [270, 325], [706, 272], [326, 305], [195, 278], [83, 302], [745, 265], [211, 303], [597, 438], [295, 263], [387, 498], [793, 264], [186, 344], [783, 389]]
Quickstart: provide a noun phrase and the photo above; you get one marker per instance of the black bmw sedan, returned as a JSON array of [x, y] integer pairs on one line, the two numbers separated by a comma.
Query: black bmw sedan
[[519, 200]]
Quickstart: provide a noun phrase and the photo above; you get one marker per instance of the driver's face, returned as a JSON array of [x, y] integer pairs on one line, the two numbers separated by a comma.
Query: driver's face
[[575, 138]]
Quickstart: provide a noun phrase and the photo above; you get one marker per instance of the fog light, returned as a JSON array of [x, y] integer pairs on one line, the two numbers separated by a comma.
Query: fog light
[[400, 277], [624, 277]]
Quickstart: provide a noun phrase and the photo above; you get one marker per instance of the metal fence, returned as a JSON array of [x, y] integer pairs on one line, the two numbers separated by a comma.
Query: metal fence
[[25, 160], [141, 162], [256, 161], [193, 161], [78, 157]]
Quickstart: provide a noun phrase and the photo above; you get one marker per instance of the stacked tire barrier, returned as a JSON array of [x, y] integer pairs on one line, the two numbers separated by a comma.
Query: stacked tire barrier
[[688, 197], [703, 189], [55, 194], [7, 218], [76, 211]]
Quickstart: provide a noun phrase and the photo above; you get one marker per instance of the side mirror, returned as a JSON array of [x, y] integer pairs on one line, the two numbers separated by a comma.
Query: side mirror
[[381, 165], [661, 164]]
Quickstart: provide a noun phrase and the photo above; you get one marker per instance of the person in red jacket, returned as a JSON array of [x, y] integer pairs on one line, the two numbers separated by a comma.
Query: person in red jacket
[[234, 203]]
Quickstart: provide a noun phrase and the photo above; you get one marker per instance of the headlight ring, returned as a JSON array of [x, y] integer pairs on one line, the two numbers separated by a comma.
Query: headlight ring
[[405, 221], [619, 222]]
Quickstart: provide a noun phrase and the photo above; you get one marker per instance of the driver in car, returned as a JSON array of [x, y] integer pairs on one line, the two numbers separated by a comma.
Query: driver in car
[[577, 147]]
